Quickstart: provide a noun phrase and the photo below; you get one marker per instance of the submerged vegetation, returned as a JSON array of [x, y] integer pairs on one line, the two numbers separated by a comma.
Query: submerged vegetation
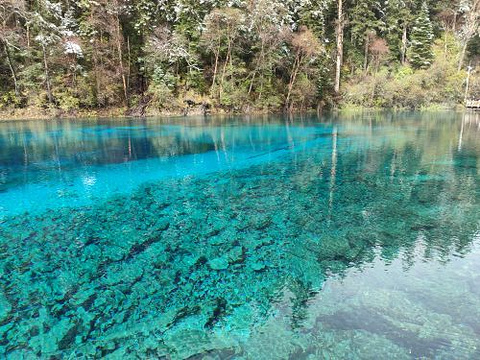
[[141, 57]]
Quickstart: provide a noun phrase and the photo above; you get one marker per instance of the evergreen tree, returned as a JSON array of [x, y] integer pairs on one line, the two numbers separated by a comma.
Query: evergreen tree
[[399, 18], [138, 55], [364, 25], [421, 40]]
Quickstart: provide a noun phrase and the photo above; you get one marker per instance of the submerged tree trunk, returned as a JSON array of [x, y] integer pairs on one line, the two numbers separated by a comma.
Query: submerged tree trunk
[[339, 59]]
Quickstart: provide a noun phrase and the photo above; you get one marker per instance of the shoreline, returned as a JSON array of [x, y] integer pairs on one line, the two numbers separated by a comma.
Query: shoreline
[[121, 113]]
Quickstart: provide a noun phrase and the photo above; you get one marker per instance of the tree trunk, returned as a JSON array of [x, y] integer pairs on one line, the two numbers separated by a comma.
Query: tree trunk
[[462, 55], [293, 77], [227, 59], [142, 70], [120, 58], [257, 67], [129, 62], [215, 68], [404, 44], [445, 48], [367, 44], [28, 35], [95, 64], [12, 69], [470, 27], [467, 84], [47, 77], [339, 60], [95, 73]]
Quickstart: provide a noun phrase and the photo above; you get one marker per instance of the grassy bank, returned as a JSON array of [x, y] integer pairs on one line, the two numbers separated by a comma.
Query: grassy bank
[[345, 109], [35, 113]]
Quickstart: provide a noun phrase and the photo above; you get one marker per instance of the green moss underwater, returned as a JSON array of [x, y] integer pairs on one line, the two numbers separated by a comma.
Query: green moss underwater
[[340, 238]]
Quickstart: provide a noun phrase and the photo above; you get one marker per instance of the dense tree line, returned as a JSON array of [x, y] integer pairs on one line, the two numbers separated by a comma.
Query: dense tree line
[[147, 56]]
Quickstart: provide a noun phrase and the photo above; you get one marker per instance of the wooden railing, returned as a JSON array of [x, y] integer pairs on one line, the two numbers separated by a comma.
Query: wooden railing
[[473, 104]]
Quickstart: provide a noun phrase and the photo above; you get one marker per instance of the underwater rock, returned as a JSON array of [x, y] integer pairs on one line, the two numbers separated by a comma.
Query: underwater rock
[[264, 241], [215, 230], [216, 240], [258, 266], [163, 224], [236, 255], [62, 334], [150, 270], [262, 223], [218, 312], [68, 338], [5, 308], [114, 253], [218, 263], [138, 248], [84, 298]]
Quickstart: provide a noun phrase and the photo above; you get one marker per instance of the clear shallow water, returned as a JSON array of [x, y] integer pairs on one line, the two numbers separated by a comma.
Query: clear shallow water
[[343, 237]]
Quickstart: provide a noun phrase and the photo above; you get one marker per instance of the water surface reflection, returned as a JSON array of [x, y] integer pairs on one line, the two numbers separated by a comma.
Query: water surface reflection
[[349, 237]]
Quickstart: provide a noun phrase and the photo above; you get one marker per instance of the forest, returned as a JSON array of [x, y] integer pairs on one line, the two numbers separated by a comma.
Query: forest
[[150, 57]]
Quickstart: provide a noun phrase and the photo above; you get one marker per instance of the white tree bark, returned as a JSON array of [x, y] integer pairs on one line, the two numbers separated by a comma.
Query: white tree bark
[[339, 60]]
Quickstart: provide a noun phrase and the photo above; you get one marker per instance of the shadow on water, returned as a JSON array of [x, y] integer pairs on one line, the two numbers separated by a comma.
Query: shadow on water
[[358, 239]]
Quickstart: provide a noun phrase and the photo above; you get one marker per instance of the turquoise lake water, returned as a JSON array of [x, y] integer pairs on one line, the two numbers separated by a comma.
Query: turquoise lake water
[[341, 237]]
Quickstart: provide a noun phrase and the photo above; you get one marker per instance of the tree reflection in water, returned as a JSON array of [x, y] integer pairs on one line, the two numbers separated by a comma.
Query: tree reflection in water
[[348, 237]]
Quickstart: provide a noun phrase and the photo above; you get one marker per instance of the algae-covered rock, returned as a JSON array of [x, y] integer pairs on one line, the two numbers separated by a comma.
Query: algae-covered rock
[[236, 255], [216, 240], [5, 307], [220, 263], [162, 224], [258, 266]]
